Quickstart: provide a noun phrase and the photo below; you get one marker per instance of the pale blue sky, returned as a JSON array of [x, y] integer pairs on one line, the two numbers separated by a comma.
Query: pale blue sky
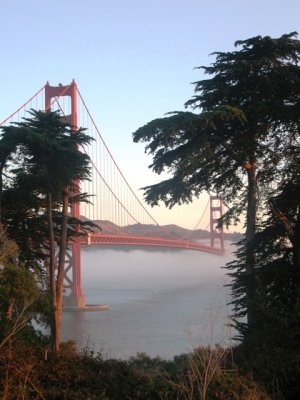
[[132, 60]]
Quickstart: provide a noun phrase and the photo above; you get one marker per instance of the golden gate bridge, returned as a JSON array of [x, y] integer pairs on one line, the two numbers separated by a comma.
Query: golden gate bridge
[[122, 217]]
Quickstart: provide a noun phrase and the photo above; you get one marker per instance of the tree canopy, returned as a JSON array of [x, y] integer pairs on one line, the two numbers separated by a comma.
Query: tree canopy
[[42, 164], [245, 110], [238, 140], [241, 142]]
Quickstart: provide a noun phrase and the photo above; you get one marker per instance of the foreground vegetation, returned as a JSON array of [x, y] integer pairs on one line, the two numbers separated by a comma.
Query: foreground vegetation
[[32, 372]]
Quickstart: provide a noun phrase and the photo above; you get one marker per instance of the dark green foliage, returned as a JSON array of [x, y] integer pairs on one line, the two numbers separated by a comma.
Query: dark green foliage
[[41, 166], [238, 145], [34, 154], [187, 145], [276, 334], [243, 144], [35, 373], [250, 104], [274, 339], [21, 303]]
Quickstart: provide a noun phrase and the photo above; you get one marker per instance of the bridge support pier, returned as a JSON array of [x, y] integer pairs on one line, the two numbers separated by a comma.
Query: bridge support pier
[[76, 298]]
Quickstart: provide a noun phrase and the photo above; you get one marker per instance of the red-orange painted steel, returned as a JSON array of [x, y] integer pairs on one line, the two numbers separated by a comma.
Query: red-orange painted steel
[[76, 298], [216, 212], [126, 240]]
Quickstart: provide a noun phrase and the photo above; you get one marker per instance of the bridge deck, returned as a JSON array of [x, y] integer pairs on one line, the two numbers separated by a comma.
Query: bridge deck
[[128, 240]]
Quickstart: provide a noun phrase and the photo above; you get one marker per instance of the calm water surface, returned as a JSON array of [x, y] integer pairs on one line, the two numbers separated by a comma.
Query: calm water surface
[[162, 302]]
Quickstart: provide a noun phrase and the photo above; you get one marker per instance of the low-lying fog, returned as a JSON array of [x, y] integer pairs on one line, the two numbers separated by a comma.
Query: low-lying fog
[[163, 302], [132, 267]]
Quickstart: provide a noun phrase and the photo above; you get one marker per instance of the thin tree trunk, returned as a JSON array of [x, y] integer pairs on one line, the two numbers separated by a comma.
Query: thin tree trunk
[[61, 268], [249, 241], [52, 265]]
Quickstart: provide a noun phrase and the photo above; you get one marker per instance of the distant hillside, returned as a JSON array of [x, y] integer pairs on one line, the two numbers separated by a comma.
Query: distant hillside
[[166, 231]]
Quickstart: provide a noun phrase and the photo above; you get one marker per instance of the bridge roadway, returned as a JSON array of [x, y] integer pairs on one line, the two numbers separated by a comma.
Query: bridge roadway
[[128, 240]]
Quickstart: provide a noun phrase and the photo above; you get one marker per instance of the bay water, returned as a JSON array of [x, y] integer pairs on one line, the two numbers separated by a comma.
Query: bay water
[[162, 302]]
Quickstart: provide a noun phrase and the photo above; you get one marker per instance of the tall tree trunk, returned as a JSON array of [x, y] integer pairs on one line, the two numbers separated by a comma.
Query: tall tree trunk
[[61, 268], [52, 267], [249, 241]]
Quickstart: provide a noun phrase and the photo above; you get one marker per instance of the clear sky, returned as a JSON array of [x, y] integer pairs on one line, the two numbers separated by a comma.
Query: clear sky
[[132, 60]]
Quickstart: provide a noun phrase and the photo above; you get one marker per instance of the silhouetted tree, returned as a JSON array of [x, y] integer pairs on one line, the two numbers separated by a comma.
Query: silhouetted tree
[[236, 145], [49, 164]]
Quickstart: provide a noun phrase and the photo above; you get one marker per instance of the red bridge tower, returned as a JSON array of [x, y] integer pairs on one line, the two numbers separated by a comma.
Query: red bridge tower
[[76, 297], [216, 212]]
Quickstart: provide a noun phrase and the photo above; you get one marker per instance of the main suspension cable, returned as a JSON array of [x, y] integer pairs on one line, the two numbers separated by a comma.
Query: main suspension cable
[[125, 180]]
